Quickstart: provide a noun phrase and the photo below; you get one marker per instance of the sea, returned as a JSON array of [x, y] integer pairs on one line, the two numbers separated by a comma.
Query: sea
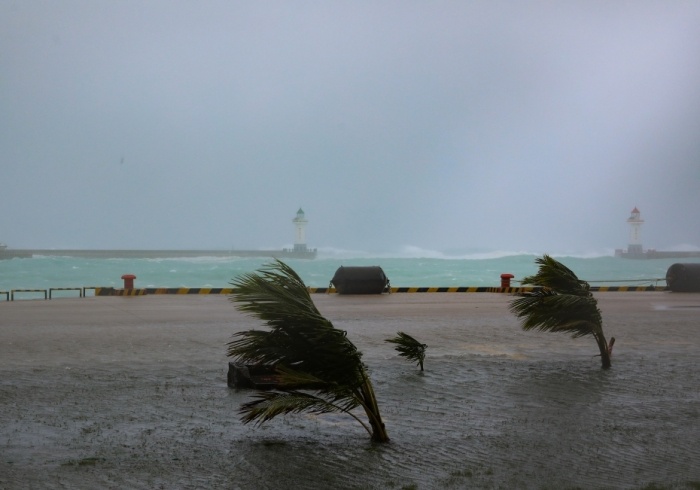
[[142, 402], [413, 268]]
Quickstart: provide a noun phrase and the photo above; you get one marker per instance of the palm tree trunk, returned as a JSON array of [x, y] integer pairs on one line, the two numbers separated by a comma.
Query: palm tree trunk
[[369, 402], [605, 350]]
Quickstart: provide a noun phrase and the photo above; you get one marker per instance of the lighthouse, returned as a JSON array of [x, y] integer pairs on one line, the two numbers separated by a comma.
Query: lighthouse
[[300, 231], [635, 243]]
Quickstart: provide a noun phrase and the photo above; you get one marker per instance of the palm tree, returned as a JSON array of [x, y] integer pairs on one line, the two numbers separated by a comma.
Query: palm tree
[[319, 369], [409, 348], [561, 303]]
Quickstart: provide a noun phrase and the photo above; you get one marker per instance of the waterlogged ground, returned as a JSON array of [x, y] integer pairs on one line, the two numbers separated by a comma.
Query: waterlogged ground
[[134, 395]]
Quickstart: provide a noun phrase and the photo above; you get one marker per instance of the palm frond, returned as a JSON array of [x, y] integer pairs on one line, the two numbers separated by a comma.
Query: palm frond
[[266, 405], [276, 295], [308, 352], [289, 379], [300, 336], [554, 275], [548, 311], [409, 348], [563, 303]]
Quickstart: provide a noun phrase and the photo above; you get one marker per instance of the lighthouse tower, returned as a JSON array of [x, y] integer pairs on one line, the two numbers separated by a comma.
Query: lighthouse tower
[[300, 234], [635, 243]]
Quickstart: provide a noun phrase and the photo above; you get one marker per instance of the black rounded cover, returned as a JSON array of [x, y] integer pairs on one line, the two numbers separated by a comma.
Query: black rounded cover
[[683, 278], [360, 280]]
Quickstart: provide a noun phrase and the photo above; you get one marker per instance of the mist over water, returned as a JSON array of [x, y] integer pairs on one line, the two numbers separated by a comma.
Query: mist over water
[[513, 126]]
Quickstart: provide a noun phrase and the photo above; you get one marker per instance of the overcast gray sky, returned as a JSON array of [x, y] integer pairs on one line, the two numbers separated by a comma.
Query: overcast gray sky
[[435, 125]]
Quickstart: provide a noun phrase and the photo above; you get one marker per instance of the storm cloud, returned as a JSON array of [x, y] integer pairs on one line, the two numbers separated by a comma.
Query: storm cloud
[[397, 126]]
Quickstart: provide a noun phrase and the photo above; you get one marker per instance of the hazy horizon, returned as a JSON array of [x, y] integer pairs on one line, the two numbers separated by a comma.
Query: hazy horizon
[[410, 252], [398, 127]]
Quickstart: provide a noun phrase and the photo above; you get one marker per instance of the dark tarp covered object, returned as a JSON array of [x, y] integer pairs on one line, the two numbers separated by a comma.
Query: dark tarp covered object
[[258, 376], [683, 278], [360, 280]]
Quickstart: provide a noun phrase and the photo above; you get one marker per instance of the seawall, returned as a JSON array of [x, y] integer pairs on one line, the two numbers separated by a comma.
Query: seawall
[[155, 254]]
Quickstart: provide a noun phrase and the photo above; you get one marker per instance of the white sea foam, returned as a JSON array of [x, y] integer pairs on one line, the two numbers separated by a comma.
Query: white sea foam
[[416, 252], [586, 254]]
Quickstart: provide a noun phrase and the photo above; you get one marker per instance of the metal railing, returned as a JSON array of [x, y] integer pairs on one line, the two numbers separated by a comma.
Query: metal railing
[[112, 291], [13, 291], [81, 291]]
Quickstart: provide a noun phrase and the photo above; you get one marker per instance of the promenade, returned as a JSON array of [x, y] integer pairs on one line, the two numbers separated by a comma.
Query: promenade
[[107, 392]]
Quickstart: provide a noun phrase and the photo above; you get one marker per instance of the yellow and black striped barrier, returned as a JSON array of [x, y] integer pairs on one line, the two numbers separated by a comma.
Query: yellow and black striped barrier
[[190, 290], [94, 288], [110, 291], [437, 289], [602, 289], [460, 289], [120, 292]]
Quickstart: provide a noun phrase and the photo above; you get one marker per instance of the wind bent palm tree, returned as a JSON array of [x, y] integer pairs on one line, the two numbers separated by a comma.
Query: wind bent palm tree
[[409, 348], [319, 369], [561, 303]]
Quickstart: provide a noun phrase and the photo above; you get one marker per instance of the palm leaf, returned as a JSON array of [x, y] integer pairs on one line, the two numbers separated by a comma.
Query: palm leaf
[[562, 303], [308, 352], [267, 405], [554, 275], [549, 311], [409, 348], [291, 379], [300, 336]]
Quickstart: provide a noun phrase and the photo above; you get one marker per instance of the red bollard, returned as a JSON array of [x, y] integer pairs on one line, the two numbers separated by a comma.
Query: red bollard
[[128, 281], [505, 280]]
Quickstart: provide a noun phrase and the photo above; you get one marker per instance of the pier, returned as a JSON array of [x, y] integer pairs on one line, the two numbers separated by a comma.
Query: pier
[[296, 253]]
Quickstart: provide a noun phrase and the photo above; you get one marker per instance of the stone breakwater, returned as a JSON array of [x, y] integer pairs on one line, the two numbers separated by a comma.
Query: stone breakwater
[[154, 254]]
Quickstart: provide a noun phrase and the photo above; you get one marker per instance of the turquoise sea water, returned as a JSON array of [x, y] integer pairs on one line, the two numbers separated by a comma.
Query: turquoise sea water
[[476, 270]]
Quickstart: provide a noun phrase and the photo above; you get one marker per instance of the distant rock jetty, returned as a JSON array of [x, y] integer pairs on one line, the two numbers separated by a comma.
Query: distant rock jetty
[[299, 251], [295, 253], [635, 249], [655, 254]]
